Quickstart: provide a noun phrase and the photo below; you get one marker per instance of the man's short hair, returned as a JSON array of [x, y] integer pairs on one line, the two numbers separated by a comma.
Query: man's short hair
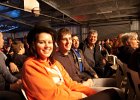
[[16, 46], [62, 32], [93, 31]]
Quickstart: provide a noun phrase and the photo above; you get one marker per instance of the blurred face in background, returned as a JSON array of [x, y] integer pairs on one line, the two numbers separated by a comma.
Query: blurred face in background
[[1, 41], [133, 42], [10, 41], [44, 45], [92, 38], [75, 42]]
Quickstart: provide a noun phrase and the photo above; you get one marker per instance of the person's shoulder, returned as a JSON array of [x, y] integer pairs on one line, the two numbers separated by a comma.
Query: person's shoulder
[[1, 55], [29, 60], [137, 50], [97, 45], [83, 44], [33, 63], [80, 50], [19, 56], [57, 63], [57, 53], [136, 53], [124, 48]]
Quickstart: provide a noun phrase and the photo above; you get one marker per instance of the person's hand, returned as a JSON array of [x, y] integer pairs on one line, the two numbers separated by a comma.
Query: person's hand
[[13, 67], [85, 83], [16, 86], [96, 76], [88, 83], [104, 61]]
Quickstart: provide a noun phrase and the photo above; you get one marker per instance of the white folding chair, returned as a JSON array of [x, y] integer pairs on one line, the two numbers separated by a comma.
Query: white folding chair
[[24, 94]]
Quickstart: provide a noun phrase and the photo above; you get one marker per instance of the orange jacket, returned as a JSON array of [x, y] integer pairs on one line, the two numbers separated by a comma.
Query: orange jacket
[[38, 82]]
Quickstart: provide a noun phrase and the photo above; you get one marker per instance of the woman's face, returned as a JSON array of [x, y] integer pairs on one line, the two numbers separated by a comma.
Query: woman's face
[[44, 45], [134, 42]]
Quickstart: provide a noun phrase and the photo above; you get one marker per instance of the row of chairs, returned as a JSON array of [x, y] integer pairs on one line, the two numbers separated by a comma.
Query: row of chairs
[[127, 79], [134, 80]]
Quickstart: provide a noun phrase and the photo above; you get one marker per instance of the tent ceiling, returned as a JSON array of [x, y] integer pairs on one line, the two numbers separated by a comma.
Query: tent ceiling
[[13, 18]]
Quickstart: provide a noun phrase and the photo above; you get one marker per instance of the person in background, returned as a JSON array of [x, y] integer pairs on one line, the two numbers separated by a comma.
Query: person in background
[[65, 57], [92, 53], [130, 44], [134, 62], [8, 82], [108, 46], [26, 46], [45, 78], [8, 49], [116, 44], [85, 70], [83, 66], [17, 58]]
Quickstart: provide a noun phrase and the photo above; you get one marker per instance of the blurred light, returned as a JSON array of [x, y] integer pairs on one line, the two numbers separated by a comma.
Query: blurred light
[[13, 13], [3, 8], [6, 28]]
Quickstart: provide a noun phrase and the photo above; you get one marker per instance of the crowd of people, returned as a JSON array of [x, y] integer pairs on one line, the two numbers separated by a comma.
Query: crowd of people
[[71, 69]]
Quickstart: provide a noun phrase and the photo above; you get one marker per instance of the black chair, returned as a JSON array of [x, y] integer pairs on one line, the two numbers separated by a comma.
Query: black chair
[[134, 80]]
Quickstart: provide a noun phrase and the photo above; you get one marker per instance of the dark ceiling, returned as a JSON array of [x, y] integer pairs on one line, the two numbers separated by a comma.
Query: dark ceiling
[[13, 17]]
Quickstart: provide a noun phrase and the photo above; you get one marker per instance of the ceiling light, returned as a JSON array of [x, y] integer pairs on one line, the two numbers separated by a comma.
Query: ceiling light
[[104, 12]]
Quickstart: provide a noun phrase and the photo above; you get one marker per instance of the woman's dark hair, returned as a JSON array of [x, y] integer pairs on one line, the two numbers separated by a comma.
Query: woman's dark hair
[[32, 38]]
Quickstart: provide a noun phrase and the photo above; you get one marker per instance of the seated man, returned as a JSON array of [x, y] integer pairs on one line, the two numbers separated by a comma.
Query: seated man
[[65, 57], [93, 56], [83, 67]]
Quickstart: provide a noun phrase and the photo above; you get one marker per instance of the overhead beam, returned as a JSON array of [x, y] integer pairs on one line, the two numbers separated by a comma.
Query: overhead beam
[[94, 12], [69, 6], [14, 20], [51, 17], [110, 23], [62, 11], [117, 16]]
